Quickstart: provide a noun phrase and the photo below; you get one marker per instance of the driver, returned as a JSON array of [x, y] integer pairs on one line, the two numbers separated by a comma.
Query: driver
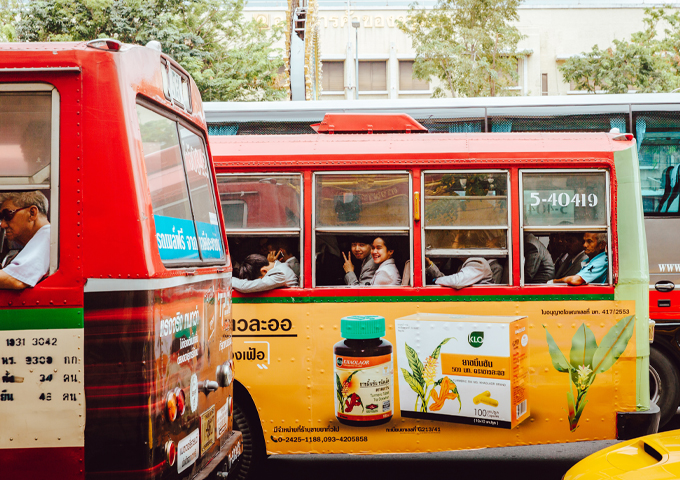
[[23, 216]]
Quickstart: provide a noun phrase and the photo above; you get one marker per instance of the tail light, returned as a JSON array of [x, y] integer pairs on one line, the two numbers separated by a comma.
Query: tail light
[[171, 406], [181, 401], [170, 452]]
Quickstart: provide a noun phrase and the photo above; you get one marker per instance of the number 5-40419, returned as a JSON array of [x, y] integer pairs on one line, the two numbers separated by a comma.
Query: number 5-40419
[[564, 199]]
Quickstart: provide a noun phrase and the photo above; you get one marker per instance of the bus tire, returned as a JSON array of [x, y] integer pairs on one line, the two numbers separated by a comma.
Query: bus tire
[[247, 421], [664, 385]]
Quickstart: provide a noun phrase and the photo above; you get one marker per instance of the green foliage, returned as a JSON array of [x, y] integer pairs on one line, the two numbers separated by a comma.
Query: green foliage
[[229, 58], [647, 63], [469, 45]]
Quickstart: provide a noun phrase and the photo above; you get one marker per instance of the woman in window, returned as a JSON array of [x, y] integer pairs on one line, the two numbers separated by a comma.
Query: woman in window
[[258, 274], [387, 273]]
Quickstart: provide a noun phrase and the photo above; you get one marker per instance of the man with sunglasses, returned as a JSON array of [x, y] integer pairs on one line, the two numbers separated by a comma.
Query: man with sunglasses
[[23, 217]]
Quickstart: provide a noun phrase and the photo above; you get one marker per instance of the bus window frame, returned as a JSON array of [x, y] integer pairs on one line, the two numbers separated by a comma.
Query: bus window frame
[[563, 228], [53, 186], [341, 230], [508, 229], [179, 120], [274, 232]]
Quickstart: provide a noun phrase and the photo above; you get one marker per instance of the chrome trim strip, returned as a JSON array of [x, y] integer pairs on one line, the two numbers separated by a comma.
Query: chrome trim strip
[[93, 285]]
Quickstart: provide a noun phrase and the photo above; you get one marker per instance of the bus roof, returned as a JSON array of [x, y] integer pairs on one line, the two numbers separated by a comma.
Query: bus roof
[[265, 149], [420, 108]]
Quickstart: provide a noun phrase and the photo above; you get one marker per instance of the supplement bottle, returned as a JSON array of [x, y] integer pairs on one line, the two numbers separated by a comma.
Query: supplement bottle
[[364, 372]]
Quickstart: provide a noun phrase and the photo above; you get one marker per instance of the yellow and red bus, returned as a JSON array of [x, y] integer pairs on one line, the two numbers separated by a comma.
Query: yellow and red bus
[[430, 368], [118, 364]]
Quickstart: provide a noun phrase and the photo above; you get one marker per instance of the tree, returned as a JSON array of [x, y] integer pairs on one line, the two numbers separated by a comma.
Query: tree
[[469, 45], [229, 58], [646, 63]]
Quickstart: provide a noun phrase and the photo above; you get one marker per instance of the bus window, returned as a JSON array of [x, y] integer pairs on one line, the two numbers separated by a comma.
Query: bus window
[[28, 146], [353, 208], [466, 215], [581, 118], [263, 214], [176, 232], [657, 135], [202, 199], [558, 209]]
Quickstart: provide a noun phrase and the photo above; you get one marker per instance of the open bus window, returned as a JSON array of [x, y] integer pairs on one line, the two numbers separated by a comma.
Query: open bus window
[[262, 214], [466, 215], [557, 210], [172, 206], [352, 208], [28, 143], [658, 141]]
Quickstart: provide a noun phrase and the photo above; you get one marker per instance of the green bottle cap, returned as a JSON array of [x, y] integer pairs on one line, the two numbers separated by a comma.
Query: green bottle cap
[[362, 327]]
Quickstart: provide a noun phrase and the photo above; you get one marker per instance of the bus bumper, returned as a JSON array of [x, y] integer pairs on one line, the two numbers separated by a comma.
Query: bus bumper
[[227, 459], [637, 424]]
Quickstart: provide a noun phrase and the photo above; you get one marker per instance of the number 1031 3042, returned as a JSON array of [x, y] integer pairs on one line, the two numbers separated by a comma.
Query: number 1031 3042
[[36, 342]]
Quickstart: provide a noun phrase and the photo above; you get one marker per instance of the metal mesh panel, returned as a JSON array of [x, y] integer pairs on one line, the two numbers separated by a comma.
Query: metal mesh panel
[[452, 125], [264, 128], [601, 122]]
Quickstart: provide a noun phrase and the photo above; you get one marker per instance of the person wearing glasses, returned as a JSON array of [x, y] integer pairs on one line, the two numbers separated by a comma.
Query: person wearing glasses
[[23, 217]]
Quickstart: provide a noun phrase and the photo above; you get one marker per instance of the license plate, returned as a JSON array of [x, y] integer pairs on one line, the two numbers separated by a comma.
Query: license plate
[[207, 429]]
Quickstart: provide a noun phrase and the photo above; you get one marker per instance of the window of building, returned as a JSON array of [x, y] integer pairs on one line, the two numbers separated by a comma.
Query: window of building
[[360, 207], [466, 215], [406, 79], [544, 84], [30, 152], [333, 76], [372, 76], [558, 208], [263, 214], [179, 179]]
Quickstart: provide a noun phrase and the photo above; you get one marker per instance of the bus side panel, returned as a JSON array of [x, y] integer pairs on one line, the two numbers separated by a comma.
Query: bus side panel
[[32, 463], [580, 371], [42, 404], [140, 347]]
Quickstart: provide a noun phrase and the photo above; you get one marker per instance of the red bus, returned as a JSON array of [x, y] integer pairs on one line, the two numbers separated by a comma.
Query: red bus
[[433, 372], [118, 363]]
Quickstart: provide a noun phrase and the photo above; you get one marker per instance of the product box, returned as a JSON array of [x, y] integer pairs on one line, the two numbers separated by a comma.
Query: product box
[[463, 368]]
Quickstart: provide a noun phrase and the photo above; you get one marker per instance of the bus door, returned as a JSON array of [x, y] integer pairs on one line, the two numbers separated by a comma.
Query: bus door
[[42, 400]]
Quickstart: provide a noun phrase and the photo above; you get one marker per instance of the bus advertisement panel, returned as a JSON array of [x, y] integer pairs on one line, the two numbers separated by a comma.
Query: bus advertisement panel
[[451, 292]]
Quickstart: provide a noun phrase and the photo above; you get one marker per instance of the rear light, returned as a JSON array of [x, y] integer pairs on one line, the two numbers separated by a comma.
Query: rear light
[[181, 401], [230, 401], [170, 452], [171, 406]]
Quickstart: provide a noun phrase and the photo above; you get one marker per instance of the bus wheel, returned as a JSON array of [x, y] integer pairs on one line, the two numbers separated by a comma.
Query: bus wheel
[[664, 388], [247, 422]]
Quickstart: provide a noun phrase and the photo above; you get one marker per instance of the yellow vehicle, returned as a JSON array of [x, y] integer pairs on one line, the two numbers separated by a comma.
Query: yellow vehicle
[[328, 367], [650, 457]]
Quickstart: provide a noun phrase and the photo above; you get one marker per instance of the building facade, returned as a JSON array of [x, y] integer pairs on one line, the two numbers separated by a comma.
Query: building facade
[[554, 31]]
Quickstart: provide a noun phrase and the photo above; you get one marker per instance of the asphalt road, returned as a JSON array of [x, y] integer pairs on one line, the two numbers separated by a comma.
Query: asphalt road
[[544, 462]]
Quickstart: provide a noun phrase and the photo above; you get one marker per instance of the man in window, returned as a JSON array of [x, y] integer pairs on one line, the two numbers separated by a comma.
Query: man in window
[[23, 217], [597, 268], [538, 264]]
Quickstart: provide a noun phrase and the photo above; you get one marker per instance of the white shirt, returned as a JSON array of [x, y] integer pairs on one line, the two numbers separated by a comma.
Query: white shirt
[[294, 264], [475, 270], [387, 274], [280, 275], [33, 261]]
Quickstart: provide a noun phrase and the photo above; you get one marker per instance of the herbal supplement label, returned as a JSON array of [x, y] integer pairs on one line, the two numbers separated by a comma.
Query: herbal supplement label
[[364, 387]]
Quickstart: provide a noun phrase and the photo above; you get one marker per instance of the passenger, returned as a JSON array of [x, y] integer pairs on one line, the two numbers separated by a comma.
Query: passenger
[[23, 216], [597, 268], [257, 274], [361, 250], [387, 272], [475, 270], [570, 262], [284, 253], [538, 266]]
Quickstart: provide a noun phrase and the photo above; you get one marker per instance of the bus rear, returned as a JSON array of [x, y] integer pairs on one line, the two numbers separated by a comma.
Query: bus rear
[[118, 363]]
